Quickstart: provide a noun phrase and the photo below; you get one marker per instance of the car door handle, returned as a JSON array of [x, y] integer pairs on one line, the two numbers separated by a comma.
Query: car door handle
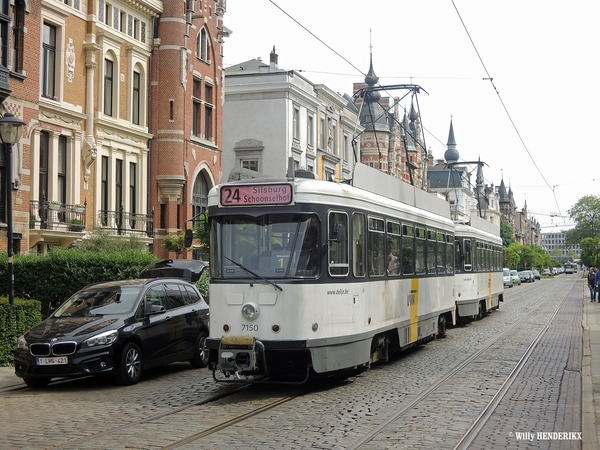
[[167, 318]]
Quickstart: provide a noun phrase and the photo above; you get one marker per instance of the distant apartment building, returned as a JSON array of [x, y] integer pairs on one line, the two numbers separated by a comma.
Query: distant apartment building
[[555, 242]]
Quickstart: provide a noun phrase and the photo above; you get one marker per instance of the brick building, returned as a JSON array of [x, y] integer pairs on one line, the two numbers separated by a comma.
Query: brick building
[[186, 115]]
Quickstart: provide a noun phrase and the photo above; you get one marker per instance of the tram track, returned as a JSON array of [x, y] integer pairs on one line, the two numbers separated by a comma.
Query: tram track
[[485, 415]]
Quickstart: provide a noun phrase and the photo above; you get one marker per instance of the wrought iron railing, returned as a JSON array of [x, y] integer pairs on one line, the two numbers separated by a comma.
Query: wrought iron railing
[[123, 222], [44, 215]]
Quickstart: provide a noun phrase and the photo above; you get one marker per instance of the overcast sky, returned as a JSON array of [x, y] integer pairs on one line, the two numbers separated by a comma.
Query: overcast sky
[[535, 124]]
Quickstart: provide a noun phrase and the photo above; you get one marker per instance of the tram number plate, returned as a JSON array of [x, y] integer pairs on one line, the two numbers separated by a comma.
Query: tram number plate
[[247, 327], [52, 361]]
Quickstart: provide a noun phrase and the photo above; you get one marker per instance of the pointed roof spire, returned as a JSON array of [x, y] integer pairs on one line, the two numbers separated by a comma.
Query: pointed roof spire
[[479, 180], [371, 79], [451, 154]]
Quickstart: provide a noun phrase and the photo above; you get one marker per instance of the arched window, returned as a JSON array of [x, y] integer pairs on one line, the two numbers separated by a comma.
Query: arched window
[[199, 195], [202, 45]]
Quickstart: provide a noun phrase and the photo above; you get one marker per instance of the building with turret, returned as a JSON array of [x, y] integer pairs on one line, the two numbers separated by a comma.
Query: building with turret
[[390, 143]]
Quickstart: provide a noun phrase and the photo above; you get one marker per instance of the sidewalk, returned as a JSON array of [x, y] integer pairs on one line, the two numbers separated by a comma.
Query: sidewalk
[[590, 376]]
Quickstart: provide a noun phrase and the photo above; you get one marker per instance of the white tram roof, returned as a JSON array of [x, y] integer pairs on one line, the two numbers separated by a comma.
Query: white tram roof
[[371, 190]]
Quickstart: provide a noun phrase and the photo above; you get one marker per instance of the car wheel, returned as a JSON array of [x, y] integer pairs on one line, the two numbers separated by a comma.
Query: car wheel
[[37, 382], [200, 358], [131, 365]]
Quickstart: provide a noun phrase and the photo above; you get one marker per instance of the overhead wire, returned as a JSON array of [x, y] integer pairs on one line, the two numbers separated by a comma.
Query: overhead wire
[[491, 80]]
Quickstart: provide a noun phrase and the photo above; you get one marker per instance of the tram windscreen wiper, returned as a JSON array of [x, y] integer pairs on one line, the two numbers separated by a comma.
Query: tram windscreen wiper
[[253, 274]]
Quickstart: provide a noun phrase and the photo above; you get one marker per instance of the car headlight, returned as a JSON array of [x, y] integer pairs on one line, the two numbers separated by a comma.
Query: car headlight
[[106, 338], [250, 311], [22, 343]]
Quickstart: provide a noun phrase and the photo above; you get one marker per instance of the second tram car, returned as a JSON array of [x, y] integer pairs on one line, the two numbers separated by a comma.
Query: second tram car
[[310, 277], [479, 261]]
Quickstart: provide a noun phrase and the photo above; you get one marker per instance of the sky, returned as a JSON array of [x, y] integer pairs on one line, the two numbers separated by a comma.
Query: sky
[[519, 79]]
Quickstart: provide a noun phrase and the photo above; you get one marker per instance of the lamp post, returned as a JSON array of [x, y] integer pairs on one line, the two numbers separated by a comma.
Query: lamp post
[[11, 130]]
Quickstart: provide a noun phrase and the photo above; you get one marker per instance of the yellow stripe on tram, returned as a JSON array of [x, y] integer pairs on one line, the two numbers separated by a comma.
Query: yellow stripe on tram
[[490, 293], [414, 310]]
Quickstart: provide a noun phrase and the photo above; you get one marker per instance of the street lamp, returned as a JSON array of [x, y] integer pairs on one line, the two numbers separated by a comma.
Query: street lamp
[[11, 131]]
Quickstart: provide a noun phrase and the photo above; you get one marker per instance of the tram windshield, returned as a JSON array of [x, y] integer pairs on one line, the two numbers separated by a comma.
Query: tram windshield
[[269, 246]]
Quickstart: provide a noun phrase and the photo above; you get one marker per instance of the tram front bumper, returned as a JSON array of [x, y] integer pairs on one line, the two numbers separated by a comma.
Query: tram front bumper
[[237, 354]]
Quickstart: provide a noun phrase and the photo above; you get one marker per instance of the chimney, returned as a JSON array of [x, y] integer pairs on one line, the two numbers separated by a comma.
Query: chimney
[[273, 60]]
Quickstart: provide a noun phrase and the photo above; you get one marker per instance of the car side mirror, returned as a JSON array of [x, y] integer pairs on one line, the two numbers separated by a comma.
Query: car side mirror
[[157, 309]]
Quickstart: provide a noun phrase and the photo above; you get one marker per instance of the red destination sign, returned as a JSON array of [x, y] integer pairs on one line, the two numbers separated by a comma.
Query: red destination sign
[[256, 195]]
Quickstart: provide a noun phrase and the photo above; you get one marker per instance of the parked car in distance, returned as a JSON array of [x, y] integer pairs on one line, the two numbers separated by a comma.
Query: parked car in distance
[[117, 329], [508, 281], [546, 272], [515, 277], [526, 276], [536, 274]]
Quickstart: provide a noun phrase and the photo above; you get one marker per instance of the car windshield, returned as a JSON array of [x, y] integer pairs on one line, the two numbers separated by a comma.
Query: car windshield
[[99, 301]]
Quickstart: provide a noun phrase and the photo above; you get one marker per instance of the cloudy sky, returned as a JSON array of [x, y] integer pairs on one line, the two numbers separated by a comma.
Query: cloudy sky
[[534, 124]]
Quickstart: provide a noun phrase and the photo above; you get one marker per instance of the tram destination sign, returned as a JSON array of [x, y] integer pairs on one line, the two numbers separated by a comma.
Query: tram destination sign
[[257, 194]]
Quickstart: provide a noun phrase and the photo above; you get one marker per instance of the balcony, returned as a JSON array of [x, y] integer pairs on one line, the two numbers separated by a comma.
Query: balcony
[[45, 215], [70, 220], [127, 223]]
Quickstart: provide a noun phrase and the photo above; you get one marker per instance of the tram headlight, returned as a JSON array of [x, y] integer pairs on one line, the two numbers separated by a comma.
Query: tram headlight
[[250, 311]]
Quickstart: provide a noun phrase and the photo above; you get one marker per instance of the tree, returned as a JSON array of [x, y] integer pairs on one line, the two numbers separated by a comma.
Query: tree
[[511, 256], [174, 243], [507, 234], [589, 251], [202, 234], [586, 214]]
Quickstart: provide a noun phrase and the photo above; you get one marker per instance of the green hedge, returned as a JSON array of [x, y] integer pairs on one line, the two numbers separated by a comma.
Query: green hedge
[[56, 276], [27, 313]]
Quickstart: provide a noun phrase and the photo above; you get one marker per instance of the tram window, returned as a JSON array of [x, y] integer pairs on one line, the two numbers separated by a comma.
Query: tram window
[[268, 245], [420, 251], [449, 253], [359, 267], [441, 253], [408, 249], [308, 260], [431, 251], [338, 244], [458, 256], [376, 249], [393, 248], [215, 249], [468, 256]]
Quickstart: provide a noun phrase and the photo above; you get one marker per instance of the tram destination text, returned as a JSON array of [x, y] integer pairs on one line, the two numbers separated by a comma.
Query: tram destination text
[[253, 195]]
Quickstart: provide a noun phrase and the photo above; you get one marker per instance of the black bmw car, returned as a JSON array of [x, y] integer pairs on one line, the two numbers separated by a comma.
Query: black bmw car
[[117, 329]]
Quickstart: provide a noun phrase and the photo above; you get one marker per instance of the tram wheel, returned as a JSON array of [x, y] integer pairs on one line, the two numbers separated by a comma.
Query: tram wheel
[[441, 326], [480, 312]]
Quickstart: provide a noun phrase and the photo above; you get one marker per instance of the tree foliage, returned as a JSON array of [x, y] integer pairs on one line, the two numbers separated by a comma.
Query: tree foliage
[[507, 234], [586, 215], [527, 257], [174, 243], [590, 249]]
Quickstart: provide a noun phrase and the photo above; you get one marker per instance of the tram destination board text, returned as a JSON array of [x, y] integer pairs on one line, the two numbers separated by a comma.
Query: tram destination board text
[[257, 194]]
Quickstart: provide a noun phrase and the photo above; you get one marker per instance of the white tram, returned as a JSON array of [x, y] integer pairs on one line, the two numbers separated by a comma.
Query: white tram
[[478, 266], [379, 277]]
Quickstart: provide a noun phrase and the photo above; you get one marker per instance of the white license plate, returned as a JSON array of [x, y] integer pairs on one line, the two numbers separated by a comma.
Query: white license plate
[[52, 361]]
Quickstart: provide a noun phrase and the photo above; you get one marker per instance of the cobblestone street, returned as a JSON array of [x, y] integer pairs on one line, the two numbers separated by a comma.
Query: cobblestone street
[[412, 402]]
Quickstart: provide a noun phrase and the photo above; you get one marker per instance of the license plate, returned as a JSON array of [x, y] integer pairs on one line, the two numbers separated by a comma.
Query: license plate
[[52, 361]]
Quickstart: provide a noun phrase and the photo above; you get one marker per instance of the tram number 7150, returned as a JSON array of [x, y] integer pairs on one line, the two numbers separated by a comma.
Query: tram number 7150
[[248, 327]]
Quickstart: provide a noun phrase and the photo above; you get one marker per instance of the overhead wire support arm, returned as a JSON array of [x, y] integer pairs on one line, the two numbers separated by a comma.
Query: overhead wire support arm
[[390, 87]]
